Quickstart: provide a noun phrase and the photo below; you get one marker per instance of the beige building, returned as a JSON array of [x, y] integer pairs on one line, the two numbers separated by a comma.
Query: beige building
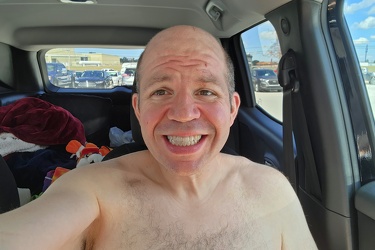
[[73, 60]]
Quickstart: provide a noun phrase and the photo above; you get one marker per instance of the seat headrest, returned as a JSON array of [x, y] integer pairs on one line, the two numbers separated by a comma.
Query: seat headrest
[[134, 123]]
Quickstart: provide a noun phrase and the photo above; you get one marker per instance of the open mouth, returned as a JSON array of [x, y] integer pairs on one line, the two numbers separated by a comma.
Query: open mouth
[[184, 141]]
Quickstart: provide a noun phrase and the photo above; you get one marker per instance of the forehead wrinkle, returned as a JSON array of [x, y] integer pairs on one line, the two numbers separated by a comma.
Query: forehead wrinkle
[[157, 79], [205, 75], [186, 60]]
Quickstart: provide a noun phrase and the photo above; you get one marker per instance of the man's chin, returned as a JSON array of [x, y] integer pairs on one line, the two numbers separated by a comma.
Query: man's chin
[[187, 165]]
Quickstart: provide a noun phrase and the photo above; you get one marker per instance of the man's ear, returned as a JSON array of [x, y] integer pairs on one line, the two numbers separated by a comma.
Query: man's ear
[[135, 104], [236, 101]]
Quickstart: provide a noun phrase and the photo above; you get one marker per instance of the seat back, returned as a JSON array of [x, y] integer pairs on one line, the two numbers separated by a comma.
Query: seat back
[[138, 144], [93, 111], [9, 197]]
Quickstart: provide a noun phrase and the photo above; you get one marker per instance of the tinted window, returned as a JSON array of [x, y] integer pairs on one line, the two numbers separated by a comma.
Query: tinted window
[[79, 60], [360, 21], [263, 54]]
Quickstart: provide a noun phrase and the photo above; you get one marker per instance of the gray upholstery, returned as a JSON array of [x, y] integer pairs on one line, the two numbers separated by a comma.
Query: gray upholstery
[[9, 198], [93, 111]]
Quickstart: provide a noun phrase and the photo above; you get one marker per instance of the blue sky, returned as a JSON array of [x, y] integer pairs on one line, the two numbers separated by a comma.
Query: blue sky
[[360, 16], [129, 53], [257, 41]]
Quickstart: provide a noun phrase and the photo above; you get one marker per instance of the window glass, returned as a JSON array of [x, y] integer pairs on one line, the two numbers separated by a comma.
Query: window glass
[[360, 16], [263, 54], [95, 68]]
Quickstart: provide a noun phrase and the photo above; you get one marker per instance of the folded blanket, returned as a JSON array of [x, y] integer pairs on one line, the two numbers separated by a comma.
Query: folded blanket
[[10, 144], [36, 121]]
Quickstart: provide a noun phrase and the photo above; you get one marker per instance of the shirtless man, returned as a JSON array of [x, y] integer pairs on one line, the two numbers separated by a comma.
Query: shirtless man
[[181, 193]]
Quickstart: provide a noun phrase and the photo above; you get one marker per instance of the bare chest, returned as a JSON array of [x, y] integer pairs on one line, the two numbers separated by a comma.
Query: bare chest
[[161, 224]]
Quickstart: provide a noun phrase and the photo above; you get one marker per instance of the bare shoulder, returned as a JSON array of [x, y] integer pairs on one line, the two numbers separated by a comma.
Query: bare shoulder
[[262, 179], [264, 182], [274, 201]]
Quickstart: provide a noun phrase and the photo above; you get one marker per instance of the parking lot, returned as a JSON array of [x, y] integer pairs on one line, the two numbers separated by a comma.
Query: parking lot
[[272, 101], [371, 95]]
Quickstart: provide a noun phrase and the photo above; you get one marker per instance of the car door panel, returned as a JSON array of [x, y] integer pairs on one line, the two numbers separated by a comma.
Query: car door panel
[[263, 143], [365, 205]]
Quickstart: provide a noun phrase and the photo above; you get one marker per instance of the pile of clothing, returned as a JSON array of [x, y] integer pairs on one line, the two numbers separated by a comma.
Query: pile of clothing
[[33, 136]]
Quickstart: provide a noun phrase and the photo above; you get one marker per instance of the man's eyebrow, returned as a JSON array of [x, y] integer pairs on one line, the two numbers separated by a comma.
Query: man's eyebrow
[[160, 78], [157, 79], [207, 78]]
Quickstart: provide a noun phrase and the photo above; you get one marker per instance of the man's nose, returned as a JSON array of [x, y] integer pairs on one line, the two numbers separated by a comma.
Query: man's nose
[[183, 108]]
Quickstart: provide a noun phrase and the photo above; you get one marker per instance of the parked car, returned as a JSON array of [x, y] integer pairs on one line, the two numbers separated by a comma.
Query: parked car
[[94, 79], [372, 78], [128, 76], [74, 76], [58, 74], [265, 80], [116, 77], [332, 109], [78, 74]]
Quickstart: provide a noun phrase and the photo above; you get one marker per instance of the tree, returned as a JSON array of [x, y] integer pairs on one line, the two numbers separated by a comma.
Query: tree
[[255, 62], [124, 59], [274, 51]]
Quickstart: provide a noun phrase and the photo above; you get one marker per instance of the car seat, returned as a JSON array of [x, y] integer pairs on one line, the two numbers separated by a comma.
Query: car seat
[[9, 197]]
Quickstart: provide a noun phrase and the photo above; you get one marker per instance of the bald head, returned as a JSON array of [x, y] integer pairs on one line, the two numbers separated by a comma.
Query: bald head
[[184, 40]]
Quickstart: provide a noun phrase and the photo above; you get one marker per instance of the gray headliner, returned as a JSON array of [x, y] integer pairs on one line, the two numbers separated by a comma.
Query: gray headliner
[[37, 24]]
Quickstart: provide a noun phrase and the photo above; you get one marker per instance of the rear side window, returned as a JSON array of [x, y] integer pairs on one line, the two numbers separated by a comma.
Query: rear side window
[[263, 54], [91, 68], [359, 17]]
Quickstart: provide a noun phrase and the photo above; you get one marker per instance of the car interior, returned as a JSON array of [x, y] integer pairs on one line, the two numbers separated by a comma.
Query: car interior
[[319, 131]]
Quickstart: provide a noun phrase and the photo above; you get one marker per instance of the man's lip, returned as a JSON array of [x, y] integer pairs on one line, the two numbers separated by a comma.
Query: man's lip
[[185, 150]]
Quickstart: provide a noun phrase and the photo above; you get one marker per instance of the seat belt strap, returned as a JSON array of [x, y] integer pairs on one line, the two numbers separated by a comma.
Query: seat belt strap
[[312, 183], [288, 80], [288, 147], [293, 110]]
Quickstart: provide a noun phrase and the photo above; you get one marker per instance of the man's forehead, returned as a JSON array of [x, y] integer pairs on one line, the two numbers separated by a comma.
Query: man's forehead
[[163, 68], [185, 44], [200, 75]]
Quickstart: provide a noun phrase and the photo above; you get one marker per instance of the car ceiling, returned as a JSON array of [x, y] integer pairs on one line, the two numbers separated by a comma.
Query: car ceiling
[[36, 24]]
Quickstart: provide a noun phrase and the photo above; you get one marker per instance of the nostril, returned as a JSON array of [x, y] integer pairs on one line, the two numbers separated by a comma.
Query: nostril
[[183, 113]]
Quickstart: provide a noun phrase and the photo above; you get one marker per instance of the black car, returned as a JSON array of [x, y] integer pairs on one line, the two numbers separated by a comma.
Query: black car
[[265, 80], [94, 79]]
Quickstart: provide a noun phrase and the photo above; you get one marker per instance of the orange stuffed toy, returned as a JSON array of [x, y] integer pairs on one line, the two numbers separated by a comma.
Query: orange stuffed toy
[[90, 153]]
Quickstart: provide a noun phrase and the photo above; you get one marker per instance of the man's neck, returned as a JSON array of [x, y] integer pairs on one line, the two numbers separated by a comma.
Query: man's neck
[[198, 186]]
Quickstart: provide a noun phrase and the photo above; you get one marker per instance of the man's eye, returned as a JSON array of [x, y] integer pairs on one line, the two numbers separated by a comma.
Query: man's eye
[[205, 92], [160, 92]]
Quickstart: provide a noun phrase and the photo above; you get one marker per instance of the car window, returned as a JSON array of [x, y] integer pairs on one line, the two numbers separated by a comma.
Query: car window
[[359, 16], [71, 67], [263, 54]]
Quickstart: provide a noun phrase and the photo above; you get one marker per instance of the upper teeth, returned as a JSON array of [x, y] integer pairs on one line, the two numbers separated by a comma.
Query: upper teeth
[[184, 141]]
